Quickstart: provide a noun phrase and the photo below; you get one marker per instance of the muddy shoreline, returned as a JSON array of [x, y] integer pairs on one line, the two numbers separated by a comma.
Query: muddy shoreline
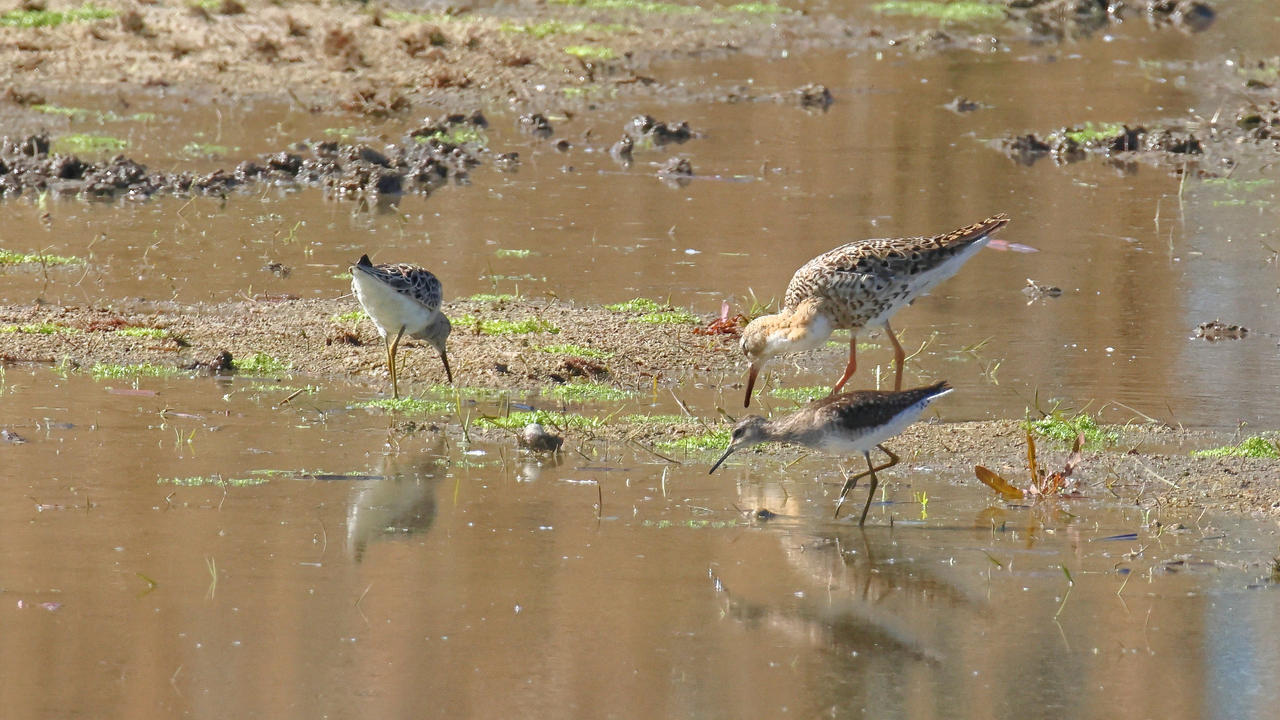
[[517, 345]]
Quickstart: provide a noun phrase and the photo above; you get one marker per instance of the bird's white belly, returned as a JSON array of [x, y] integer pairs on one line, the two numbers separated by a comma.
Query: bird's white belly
[[389, 308], [847, 444]]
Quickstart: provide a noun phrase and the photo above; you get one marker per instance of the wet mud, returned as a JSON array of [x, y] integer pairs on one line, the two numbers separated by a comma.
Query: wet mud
[[321, 339]]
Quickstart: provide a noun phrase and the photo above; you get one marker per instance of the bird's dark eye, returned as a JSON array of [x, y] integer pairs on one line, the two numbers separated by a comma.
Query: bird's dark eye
[[737, 433]]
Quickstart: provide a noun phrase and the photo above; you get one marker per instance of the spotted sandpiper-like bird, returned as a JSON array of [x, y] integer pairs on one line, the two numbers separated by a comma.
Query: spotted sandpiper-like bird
[[402, 299], [855, 285], [847, 424]]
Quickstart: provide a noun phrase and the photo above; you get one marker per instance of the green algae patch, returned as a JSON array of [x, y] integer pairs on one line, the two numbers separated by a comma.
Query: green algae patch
[[641, 305], [547, 418], [214, 481], [654, 313], [558, 27], [89, 143], [958, 11], [9, 257], [53, 18], [98, 116], [586, 392], [261, 363], [527, 326], [801, 394], [1065, 428], [346, 317], [110, 371], [591, 52], [693, 524], [644, 6], [670, 317], [491, 298], [1255, 446], [512, 253], [760, 8], [1091, 133], [457, 135], [578, 350], [710, 440], [143, 332], [409, 406], [46, 328], [206, 150]]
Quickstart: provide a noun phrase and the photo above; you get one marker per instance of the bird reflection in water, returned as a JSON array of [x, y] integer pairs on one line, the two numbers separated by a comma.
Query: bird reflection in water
[[401, 503]]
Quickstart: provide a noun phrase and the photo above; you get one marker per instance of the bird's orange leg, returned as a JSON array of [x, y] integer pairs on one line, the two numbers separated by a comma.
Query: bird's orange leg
[[899, 356], [853, 363]]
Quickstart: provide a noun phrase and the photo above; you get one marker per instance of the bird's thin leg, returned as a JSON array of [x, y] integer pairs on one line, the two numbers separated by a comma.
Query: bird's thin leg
[[893, 460], [853, 363], [899, 356], [391, 363], [851, 482]]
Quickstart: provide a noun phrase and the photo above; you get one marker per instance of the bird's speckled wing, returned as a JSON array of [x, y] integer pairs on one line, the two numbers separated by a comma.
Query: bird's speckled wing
[[865, 409], [414, 281], [865, 268]]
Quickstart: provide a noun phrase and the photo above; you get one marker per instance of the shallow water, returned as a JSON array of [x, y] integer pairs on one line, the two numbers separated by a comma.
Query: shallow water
[[335, 571], [325, 565]]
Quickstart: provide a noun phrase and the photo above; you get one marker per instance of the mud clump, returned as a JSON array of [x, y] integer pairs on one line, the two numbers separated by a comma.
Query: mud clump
[[644, 128], [431, 154], [1216, 330], [1074, 144], [1063, 19]]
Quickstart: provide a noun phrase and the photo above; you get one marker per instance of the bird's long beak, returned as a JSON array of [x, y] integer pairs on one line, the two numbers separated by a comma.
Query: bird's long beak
[[723, 457], [751, 383], [447, 372]]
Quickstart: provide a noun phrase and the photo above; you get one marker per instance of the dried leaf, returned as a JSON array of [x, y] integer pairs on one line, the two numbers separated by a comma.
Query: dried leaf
[[1075, 457], [1031, 460], [997, 483]]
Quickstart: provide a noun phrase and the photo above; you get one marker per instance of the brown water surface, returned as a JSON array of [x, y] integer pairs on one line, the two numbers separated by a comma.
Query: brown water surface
[[195, 547]]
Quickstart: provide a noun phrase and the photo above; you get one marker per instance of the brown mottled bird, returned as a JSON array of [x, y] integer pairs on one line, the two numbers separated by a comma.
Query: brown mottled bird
[[402, 299], [849, 424], [855, 285]]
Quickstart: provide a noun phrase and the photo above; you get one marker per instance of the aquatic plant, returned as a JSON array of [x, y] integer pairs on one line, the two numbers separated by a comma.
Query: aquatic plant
[[100, 116], [351, 316], [1060, 427], [512, 253], [670, 317], [1254, 446]]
